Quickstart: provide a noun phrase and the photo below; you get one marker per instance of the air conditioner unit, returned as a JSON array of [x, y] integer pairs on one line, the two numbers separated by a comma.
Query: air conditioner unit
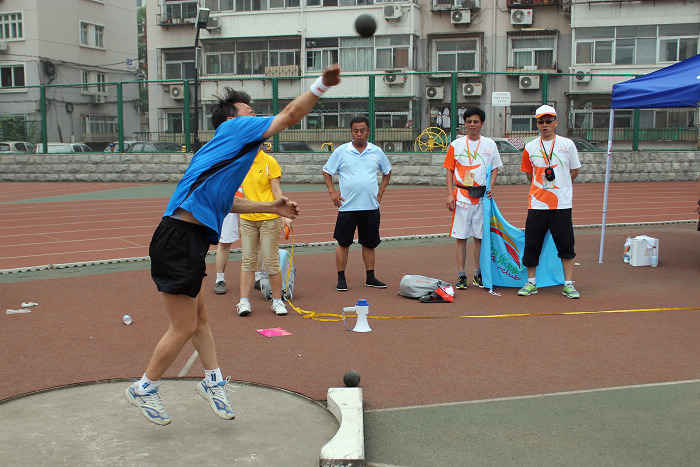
[[394, 78], [472, 89], [470, 4], [177, 91], [520, 17], [581, 76], [443, 5], [461, 17], [434, 92], [98, 98], [392, 12], [392, 146], [4, 46], [529, 82]]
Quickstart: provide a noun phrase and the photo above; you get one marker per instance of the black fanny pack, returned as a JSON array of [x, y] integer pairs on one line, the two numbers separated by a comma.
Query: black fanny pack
[[474, 191]]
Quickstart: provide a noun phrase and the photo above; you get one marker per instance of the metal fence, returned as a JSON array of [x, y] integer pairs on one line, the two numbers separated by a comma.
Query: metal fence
[[408, 112]]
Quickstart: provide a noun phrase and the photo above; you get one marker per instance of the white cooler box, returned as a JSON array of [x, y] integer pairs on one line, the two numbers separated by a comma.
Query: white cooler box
[[640, 250]]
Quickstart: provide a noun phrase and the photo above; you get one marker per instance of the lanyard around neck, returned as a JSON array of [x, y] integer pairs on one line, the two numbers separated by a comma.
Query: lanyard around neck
[[548, 159], [469, 154]]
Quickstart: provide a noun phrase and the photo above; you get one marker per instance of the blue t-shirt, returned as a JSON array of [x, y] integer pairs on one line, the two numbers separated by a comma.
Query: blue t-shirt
[[217, 170], [357, 175]]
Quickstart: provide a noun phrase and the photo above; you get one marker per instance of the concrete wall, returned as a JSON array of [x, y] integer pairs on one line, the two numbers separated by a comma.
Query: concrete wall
[[409, 169]]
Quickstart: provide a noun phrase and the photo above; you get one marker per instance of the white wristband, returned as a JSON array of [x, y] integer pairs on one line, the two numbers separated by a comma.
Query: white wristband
[[318, 88]]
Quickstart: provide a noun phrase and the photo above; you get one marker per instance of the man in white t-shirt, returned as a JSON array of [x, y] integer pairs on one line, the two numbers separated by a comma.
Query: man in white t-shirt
[[467, 162], [551, 164]]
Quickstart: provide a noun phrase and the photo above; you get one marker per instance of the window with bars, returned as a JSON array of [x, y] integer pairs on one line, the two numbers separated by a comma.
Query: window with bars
[[94, 125]]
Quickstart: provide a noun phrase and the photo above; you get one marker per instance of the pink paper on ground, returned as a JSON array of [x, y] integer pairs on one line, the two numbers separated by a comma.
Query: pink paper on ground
[[273, 332]]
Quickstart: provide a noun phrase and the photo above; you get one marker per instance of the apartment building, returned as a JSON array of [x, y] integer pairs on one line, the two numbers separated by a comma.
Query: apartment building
[[630, 38], [75, 48], [431, 59]]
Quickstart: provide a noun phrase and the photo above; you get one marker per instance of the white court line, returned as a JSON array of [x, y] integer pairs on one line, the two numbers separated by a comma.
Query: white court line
[[533, 396], [188, 365]]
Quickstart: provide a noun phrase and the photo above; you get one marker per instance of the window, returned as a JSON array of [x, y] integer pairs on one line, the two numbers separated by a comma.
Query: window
[[101, 80], [392, 52], [247, 57], [99, 35], [84, 34], [458, 55], [522, 117], [85, 79], [678, 42], [388, 116], [93, 82], [11, 26], [636, 45], [179, 64], [529, 51], [357, 54], [321, 53], [180, 9], [11, 76], [96, 126], [91, 35]]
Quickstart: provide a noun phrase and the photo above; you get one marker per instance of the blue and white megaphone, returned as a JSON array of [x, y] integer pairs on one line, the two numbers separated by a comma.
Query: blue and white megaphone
[[361, 309]]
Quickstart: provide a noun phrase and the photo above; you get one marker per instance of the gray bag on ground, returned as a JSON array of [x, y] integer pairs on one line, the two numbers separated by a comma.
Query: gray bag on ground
[[415, 286], [287, 289]]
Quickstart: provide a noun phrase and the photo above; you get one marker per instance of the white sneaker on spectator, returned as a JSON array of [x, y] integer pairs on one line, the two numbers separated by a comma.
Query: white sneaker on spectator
[[279, 308], [243, 308]]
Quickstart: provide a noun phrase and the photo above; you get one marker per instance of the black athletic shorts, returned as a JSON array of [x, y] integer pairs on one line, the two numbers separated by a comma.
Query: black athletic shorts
[[178, 249], [367, 224], [559, 224]]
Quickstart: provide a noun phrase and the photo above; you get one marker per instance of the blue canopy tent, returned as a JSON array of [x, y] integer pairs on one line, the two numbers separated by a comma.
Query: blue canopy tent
[[676, 85]]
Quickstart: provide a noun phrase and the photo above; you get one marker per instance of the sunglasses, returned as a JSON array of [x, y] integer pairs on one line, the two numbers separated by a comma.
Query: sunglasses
[[542, 121]]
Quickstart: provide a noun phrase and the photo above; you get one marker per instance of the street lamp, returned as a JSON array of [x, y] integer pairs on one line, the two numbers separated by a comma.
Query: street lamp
[[202, 20]]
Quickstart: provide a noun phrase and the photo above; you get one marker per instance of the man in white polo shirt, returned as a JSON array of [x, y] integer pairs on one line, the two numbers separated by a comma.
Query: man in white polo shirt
[[551, 164], [356, 164]]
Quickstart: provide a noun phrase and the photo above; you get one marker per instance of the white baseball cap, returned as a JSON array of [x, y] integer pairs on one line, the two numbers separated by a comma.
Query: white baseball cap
[[545, 110]]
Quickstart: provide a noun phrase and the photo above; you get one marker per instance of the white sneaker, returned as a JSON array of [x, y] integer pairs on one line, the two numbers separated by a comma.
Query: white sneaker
[[217, 397], [150, 405], [243, 308], [279, 308]]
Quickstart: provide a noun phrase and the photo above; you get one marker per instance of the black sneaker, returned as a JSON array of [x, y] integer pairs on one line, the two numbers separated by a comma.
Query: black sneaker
[[342, 285], [462, 283], [477, 281], [373, 282]]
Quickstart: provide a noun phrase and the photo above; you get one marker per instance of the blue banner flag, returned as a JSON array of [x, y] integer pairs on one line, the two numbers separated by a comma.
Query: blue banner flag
[[502, 247]]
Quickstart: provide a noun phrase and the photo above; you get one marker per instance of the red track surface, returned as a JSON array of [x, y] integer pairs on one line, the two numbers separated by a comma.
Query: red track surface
[[34, 234]]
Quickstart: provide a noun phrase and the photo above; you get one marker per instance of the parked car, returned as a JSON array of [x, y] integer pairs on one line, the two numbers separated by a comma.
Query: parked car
[[154, 146], [63, 148], [504, 145], [583, 145], [17, 146]]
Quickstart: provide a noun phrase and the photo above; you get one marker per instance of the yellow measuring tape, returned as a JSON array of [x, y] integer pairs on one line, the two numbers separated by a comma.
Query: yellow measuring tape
[[316, 316]]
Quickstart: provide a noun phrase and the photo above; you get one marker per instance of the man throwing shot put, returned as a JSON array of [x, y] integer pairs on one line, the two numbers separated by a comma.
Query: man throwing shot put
[[192, 221]]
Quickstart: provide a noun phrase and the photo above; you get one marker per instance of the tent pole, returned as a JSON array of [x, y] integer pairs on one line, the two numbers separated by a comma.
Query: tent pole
[[607, 184]]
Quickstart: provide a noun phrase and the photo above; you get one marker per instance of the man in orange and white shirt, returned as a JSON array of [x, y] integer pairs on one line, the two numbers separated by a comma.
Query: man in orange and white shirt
[[467, 161], [551, 164]]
